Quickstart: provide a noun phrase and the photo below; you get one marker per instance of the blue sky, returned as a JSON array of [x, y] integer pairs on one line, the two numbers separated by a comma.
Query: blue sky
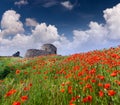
[[73, 26]]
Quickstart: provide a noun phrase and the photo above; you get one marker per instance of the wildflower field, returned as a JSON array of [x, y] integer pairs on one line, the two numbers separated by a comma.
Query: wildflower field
[[91, 78]]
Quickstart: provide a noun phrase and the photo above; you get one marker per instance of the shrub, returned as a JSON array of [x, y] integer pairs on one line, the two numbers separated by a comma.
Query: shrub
[[4, 72]]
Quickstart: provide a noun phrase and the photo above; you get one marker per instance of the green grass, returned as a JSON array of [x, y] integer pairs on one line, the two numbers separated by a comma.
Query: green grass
[[62, 80]]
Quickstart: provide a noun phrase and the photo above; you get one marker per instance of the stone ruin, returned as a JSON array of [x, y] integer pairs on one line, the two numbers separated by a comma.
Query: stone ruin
[[47, 49]]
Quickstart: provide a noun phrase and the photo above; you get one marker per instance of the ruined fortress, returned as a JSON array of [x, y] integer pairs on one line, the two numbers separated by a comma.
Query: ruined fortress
[[47, 49]]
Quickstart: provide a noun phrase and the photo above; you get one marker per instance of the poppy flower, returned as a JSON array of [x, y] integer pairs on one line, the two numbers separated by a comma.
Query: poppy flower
[[62, 90], [30, 84], [107, 86], [24, 98], [118, 82], [100, 84], [12, 91], [17, 71], [16, 103], [101, 93], [87, 99], [71, 104], [111, 92], [113, 74], [26, 88], [100, 77], [70, 89]]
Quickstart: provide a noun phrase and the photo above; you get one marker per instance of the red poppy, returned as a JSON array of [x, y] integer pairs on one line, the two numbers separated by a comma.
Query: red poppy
[[111, 92], [93, 71], [107, 86], [88, 85], [80, 73], [24, 98], [101, 93], [71, 104], [63, 84], [62, 90], [100, 84], [101, 77], [70, 89], [93, 80], [113, 74], [118, 82], [73, 100], [87, 99], [16, 103], [26, 88], [17, 71], [30, 84], [12, 91]]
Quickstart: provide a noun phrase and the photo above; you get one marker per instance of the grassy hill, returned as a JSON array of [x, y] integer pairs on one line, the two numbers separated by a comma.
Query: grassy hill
[[91, 78]]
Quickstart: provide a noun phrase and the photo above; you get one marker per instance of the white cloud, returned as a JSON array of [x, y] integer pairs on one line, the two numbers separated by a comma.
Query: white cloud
[[50, 3], [11, 24], [21, 2], [31, 22], [67, 5], [95, 33], [44, 33], [95, 36], [112, 17]]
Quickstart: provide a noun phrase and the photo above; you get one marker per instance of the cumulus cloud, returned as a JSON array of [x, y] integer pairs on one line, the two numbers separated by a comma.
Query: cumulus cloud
[[31, 22], [67, 5], [43, 33], [10, 23], [95, 33], [98, 35], [94, 37], [21, 2], [112, 18]]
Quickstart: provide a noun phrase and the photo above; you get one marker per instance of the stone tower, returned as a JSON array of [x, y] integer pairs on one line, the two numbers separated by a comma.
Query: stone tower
[[51, 49]]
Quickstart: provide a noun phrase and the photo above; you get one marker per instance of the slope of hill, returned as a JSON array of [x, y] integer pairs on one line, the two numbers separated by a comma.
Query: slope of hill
[[91, 78]]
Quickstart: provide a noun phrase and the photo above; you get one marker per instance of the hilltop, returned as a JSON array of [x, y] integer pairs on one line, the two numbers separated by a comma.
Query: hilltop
[[87, 78]]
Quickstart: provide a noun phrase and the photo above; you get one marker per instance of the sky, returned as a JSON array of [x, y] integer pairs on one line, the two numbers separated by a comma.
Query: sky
[[73, 26]]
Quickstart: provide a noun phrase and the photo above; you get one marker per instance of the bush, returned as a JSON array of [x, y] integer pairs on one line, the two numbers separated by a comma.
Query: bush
[[4, 71]]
